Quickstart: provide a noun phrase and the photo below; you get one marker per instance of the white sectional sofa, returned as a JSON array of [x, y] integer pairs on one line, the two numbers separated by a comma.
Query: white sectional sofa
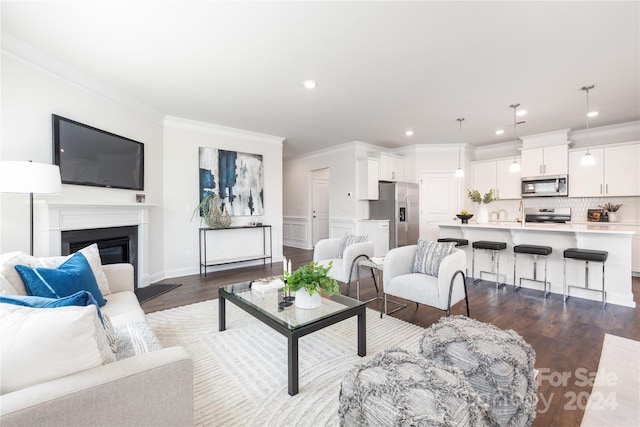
[[154, 388]]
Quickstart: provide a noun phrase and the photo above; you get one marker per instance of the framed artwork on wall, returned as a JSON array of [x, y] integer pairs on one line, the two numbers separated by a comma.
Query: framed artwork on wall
[[237, 180]]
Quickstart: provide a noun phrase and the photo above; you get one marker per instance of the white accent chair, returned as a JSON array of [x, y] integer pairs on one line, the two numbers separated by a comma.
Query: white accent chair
[[439, 292], [343, 269]]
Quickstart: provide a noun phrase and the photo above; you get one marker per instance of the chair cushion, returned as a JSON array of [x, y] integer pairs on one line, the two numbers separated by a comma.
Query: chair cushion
[[429, 255], [533, 249], [498, 364], [347, 240], [458, 242], [487, 244], [418, 287], [400, 388], [586, 254]]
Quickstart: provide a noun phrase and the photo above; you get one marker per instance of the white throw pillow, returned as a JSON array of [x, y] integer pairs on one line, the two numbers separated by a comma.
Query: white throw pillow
[[8, 271], [91, 253], [42, 344]]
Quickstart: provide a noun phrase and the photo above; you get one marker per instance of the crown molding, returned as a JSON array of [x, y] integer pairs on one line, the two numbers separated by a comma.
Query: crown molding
[[195, 125]]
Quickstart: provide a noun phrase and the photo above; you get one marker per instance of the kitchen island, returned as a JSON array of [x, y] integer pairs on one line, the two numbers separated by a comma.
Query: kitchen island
[[615, 239]]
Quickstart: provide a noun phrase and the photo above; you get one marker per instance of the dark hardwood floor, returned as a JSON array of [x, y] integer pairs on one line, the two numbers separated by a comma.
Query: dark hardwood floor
[[567, 337]]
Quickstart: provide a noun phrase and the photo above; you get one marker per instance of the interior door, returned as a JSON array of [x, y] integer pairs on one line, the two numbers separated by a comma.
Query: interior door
[[439, 197], [320, 214]]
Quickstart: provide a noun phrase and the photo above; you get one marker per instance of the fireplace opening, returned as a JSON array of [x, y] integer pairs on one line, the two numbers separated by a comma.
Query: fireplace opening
[[115, 244]]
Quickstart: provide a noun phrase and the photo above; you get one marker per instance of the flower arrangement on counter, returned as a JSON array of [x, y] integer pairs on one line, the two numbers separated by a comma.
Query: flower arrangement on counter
[[475, 196]]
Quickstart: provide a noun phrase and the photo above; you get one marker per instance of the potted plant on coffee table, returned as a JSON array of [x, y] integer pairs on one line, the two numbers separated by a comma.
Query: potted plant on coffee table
[[309, 282]]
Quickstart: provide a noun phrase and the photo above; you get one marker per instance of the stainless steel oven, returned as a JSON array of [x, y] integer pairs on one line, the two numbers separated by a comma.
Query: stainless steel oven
[[545, 186]]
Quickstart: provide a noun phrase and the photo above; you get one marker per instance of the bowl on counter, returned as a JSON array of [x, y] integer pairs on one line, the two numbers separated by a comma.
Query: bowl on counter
[[465, 218]]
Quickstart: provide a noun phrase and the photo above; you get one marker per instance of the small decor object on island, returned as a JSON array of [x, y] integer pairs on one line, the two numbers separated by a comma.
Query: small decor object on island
[[464, 216], [211, 214], [308, 282], [611, 210], [482, 201]]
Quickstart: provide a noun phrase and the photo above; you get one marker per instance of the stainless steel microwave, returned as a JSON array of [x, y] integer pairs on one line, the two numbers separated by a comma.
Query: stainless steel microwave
[[545, 186]]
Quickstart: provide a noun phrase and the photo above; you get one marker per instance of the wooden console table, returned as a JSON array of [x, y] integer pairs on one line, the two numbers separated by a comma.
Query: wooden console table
[[204, 262]]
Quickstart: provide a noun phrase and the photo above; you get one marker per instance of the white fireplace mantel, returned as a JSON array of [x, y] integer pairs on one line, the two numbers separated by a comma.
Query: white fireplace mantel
[[52, 218]]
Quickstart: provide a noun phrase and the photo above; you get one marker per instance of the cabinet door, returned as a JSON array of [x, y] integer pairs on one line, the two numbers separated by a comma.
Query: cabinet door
[[586, 181], [621, 174], [397, 169], [368, 179], [390, 167], [532, 160], [508, 183], [484, 176], [555, 160]]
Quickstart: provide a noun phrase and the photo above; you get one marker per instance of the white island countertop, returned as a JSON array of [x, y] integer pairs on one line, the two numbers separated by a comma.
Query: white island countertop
[[571, 227]]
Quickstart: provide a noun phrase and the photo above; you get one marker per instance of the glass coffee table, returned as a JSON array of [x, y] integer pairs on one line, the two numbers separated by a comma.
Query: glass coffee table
[[265, 305]]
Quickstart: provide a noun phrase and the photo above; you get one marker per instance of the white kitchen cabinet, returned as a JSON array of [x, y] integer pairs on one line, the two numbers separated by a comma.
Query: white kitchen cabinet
[[390, 167], [368, 179], [621, 173], [495, 174], [614, 174], [552, 160], [586, 181], [378, 231], [507, 182]]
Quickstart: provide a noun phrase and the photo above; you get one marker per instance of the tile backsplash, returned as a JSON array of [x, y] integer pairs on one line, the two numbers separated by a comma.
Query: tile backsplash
[[629, 212]]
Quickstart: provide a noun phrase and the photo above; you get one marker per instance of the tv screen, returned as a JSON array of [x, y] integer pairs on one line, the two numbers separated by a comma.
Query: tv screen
[[90, 156]]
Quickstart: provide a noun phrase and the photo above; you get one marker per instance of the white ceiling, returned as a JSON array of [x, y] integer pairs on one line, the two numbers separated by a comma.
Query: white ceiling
[[381, 67]]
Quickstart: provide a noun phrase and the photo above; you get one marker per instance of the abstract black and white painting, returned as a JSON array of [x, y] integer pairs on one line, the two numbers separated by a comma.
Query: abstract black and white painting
[[237, 179]]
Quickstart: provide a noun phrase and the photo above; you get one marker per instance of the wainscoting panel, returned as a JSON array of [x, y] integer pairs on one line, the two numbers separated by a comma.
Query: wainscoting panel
[[296, 232]]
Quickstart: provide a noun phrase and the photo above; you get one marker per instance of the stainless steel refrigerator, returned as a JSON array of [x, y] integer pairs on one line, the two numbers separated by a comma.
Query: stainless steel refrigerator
[[398, 202]]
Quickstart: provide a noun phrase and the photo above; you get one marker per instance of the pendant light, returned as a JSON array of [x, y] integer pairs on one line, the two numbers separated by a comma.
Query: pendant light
[[459, 171], [588, 159], [515, 166]]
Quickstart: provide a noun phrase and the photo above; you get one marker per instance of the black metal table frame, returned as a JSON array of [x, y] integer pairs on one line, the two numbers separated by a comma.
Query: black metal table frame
[[294, 335], [202, 246]]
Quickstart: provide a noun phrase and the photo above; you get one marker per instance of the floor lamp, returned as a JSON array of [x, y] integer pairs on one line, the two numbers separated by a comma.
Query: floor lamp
[[29, 178]]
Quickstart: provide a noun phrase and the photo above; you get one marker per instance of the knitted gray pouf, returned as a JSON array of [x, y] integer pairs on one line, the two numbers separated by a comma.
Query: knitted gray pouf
[[401, 388], [497, 363]]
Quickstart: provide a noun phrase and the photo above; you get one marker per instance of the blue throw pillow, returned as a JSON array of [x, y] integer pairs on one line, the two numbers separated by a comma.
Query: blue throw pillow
[[80, 298], [72, 276]]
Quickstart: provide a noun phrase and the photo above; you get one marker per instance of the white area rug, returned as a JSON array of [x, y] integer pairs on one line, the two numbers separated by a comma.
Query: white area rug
[[615, 398], [241, 373]]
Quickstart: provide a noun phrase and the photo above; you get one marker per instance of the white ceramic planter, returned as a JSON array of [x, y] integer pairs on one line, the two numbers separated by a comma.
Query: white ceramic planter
[[482, 215], [304, 300]]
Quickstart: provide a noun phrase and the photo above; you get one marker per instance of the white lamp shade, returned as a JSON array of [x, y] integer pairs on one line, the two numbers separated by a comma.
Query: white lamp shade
[[515, 167], [459, 173], [588, 160], [29, 177]]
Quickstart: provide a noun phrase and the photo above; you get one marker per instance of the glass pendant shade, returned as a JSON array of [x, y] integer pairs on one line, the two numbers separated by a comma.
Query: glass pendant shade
[[588, 160], [515, 166], [459, 173]]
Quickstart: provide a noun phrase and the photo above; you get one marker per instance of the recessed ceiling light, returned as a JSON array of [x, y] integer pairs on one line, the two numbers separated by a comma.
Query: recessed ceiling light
[[409, 133], [592, 113], [310, 84], [499, 132], [521, 113]]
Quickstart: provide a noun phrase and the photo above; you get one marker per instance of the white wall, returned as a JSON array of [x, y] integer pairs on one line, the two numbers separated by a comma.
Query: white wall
[[30, 94], [181, 141]]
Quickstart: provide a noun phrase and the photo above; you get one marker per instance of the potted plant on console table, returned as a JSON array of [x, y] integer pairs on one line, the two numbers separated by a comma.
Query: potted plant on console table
[[308, 282], [482, 216]]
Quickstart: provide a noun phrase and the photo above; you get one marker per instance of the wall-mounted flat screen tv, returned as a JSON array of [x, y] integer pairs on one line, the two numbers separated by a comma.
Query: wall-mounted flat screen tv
[[90, 156]]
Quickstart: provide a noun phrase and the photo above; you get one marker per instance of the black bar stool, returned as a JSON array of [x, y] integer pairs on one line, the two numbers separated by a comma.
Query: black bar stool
[[586, 255], [536, 251], [458, 242], [495, 248]]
